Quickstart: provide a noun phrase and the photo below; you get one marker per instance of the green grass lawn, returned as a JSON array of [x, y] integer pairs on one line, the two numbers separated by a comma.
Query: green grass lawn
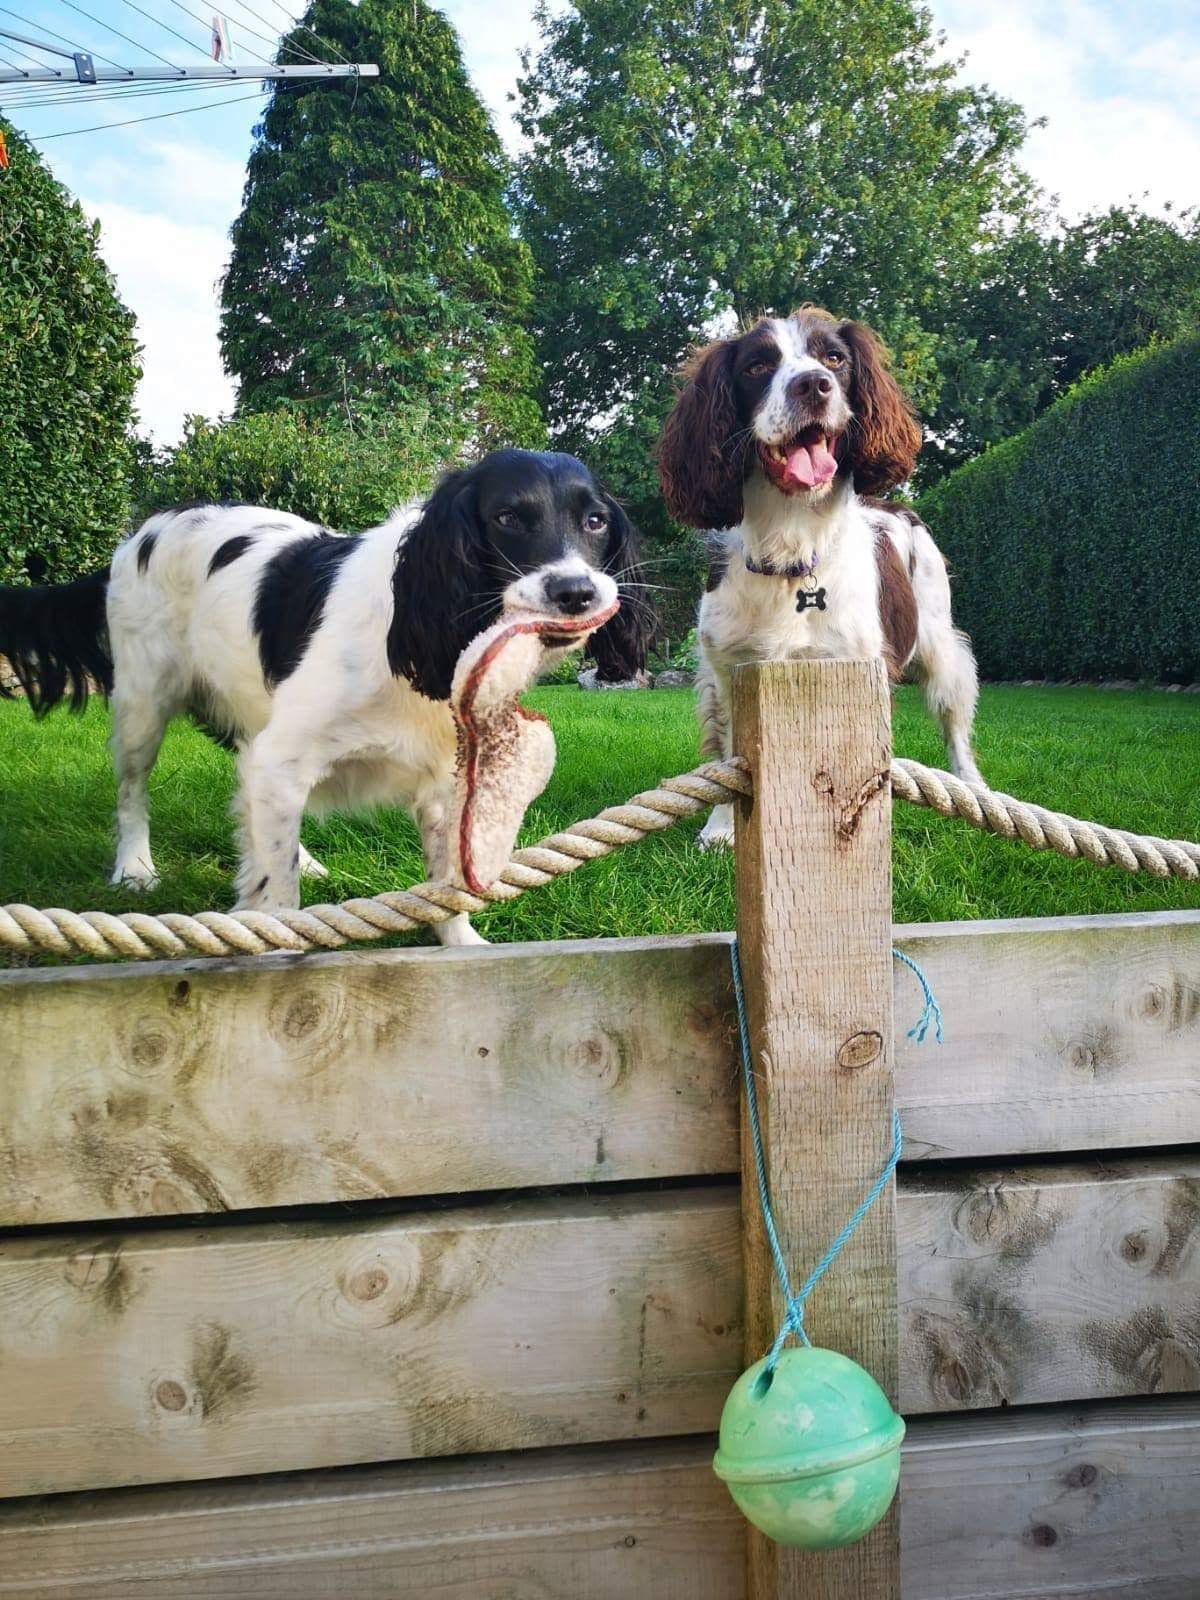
[[1129, 759]]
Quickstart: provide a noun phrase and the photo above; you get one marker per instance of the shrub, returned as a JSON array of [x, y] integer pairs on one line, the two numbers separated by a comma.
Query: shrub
[[1074, 545], [68, 366], [348, 476]]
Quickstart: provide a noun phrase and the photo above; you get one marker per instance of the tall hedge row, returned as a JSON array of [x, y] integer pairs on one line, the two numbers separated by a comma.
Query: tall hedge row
[[68, 366], [1075, 546]]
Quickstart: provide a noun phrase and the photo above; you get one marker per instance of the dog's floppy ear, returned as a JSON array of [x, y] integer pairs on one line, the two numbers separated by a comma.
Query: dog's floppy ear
[[441, 588], [884, 438], [619, 647], [700, 468]]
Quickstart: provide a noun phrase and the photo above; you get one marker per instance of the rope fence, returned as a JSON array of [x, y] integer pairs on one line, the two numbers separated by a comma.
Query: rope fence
[[138, 936]]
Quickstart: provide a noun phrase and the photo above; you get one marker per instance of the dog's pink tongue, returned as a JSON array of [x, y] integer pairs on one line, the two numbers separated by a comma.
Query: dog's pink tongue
[[810, 465]]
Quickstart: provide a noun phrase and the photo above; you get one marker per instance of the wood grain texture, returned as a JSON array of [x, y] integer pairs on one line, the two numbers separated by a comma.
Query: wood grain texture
[[1062, 1034], [211, 1086], [190, 1353], [1056, 1283], [204, 1086], [586, 1524], [814, 895], [1091, 1504]]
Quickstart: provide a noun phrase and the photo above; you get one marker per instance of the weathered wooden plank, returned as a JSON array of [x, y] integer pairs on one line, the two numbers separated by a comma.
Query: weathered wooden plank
[[206, 1086], [1094, 1504], [193, 1354], [1062, 1034], [591, 1524], [1041, 1284], [814, 898], [199, 1086], [189, 1353]]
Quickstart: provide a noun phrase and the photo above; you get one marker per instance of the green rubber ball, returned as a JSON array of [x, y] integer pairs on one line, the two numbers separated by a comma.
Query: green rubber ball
[[811, 1451]]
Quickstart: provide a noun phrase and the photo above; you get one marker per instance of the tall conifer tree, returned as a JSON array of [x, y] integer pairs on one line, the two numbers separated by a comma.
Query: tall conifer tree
[[374, 264]]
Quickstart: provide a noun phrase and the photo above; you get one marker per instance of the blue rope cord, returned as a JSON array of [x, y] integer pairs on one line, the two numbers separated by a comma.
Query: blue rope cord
[[794, 1301]]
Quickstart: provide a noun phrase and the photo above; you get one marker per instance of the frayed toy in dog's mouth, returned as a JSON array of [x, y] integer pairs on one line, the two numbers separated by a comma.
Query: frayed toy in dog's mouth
[[561, 633], [505, 753]]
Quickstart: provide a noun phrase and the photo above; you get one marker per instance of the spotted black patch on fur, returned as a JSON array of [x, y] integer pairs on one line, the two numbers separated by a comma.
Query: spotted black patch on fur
[[292, 592], [230, 551], [718, 564], [146, 550]]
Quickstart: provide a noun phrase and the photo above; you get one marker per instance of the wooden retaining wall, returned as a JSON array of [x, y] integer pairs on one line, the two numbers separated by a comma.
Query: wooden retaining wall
[[422, 1273]]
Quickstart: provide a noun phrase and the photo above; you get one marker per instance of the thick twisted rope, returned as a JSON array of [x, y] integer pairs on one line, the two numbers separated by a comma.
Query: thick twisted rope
[[137, 936], [1041, 829]]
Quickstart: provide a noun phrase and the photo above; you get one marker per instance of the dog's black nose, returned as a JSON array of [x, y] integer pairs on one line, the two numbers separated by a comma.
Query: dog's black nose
[[574, 593], [810, 386]]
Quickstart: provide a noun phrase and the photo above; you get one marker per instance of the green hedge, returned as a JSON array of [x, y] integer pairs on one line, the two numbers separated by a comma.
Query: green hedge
[[346, 476], [1075, 546], [68, 366]]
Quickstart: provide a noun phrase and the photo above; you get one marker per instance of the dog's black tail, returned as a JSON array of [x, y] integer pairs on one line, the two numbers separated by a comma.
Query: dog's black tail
[[55, 639]]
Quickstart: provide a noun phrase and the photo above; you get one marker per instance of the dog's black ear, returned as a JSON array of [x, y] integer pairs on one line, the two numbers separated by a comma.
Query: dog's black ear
[[441, 588], [619, 647]]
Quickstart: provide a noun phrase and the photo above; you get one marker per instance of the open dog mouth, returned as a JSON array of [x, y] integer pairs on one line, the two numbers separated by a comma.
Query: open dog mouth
[[803, 462]]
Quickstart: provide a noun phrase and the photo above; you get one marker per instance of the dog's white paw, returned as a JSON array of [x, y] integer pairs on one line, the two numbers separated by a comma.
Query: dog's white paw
[[310, 867], [458, 934], [717, 839], [139, 875]]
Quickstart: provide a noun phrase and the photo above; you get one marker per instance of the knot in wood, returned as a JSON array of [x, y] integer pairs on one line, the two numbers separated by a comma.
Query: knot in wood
[[859, 1050], [171, 1396]]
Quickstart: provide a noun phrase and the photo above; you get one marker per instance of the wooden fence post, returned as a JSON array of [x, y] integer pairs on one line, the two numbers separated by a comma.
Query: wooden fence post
[[814, 916]]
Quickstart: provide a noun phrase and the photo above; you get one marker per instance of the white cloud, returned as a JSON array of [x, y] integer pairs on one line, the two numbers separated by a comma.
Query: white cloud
[[1120, 110], [167, 273]]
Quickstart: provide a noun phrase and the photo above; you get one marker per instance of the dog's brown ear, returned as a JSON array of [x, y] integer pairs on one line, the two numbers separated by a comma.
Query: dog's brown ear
[[885, 437], [700, 469]]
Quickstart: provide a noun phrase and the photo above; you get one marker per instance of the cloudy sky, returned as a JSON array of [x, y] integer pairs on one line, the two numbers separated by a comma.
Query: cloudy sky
[[1118, 82]]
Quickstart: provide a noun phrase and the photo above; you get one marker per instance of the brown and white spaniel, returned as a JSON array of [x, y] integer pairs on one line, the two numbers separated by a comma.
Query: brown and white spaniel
[[777, 439]]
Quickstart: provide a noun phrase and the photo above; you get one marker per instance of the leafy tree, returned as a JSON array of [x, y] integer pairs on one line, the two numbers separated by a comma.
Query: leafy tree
[[1053, 302], [374, 263], [68, 368], [691, 157]]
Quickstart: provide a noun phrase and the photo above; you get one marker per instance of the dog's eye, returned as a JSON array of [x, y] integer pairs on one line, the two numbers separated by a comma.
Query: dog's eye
[[595, 522], [834, 359], [508, 519], [757, 369]]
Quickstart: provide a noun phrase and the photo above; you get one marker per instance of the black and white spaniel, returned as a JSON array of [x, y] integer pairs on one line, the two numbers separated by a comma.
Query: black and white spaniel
[[325, 660], [777, 437]]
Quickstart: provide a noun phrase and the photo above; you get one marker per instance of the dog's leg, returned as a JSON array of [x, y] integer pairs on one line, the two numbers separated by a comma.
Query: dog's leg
[[274, 783], [430, 812], [714, 691], [951, 692], [138, 724]]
